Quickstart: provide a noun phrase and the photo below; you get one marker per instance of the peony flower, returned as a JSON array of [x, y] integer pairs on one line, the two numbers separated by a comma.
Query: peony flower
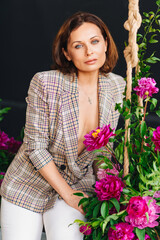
[[156, 138], [137, 209], [13, 145], [156, 194], [1, 175], [86, 229], [146, 87], [124, 231], [102, 173], [98, 138], [109, 187], [3, 141]]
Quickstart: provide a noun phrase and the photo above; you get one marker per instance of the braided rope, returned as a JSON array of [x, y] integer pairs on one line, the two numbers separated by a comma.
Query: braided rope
[[131, 56]]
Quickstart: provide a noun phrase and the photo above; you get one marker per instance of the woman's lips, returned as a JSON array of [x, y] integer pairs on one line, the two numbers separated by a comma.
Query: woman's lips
[[92, 61]]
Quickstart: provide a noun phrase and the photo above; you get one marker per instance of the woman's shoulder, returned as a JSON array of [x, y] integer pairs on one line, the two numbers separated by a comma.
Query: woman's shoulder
[[52, 75], [49, 79], [116, 79], [117, 86]]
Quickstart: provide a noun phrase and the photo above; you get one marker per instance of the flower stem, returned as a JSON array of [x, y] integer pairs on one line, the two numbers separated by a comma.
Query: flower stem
[[157, 234], [144, 116], [112, 154]]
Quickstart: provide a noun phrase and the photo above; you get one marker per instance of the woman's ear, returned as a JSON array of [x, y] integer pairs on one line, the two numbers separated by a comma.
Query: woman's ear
[[66, 54]]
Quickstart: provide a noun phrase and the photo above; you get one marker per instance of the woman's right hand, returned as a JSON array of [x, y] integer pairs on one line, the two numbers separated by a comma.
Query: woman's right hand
[[73, 200]]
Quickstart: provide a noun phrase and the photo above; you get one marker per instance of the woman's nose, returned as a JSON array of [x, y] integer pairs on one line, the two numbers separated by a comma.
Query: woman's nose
[[89, 50]]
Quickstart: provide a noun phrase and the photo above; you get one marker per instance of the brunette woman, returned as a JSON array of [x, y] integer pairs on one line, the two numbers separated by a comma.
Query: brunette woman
[[63, 105]]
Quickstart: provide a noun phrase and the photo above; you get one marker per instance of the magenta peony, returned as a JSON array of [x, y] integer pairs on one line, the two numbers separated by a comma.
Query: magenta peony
[[146, 87], [156, 138], [86, 229], [1, 175], [124, 231], [13, 145], [102, 173], [137, 209], [3, 141], [109, 187], [98, 138]]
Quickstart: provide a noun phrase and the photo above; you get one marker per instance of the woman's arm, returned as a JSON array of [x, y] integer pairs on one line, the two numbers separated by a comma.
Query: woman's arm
[[54, 178], [37, 140]]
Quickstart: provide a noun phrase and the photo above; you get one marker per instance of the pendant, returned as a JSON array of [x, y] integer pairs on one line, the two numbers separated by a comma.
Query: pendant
[[89, 100]]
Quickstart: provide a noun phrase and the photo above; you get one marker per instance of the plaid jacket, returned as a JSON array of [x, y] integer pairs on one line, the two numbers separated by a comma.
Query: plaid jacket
[[51, 133]]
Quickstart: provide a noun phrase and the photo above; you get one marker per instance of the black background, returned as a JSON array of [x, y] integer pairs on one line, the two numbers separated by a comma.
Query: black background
[[28, 28]]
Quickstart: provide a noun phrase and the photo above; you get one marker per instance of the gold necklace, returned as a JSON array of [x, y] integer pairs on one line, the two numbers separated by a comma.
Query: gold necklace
[[88, 98]]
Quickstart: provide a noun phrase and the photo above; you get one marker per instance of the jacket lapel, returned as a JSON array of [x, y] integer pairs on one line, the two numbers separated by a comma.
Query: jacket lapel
[[70, 115]]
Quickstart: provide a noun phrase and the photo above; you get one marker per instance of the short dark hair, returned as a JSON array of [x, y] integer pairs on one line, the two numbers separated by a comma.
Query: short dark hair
[[61, 40]]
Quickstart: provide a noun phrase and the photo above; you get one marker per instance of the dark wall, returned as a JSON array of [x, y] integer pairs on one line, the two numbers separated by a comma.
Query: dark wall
[[27, 31]]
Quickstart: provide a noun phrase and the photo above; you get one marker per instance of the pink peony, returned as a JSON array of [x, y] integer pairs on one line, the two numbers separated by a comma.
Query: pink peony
[[137, 209], [1, 177], [3, 141], [124, 231], [13, 145], [109, 187], [86, 229], [146, 87], [102, 173], [156, 138], [156, 194], [98, 138]]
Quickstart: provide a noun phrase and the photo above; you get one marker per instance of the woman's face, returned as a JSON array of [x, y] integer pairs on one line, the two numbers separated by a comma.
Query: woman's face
[[86, 48]]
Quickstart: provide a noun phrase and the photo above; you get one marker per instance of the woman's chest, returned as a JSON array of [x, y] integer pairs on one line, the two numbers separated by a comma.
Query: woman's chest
[[88, 118]]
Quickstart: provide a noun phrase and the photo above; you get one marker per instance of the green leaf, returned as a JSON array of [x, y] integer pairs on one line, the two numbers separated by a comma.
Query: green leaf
[[104, 209], [142, 45], [115, 203], [149, 60], [96, 210], [145, 14], [79, 194], [158, 113], [96, 223], [140, 233], [158, 2], [125, 190], [82, 201], [143, 129]]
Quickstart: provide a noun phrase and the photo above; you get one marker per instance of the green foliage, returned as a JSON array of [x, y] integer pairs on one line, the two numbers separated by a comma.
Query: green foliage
[[3, 111], [151, 29]]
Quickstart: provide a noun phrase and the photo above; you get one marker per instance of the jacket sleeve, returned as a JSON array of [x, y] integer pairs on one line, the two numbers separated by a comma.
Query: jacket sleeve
[[36, 133]]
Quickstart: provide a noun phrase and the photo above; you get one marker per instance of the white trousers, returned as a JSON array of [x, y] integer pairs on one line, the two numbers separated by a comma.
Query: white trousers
[[18, 223]]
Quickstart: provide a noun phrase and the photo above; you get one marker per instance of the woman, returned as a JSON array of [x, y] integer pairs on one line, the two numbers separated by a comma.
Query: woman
[[63, 105]]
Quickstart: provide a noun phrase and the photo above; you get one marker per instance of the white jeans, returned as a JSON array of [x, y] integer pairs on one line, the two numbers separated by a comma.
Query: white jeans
[[18, 223]]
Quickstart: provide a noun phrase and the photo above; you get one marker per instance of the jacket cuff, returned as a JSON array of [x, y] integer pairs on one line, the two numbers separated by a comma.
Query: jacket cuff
[[40, 158]]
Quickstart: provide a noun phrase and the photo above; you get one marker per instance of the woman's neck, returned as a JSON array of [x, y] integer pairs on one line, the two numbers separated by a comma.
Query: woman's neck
[[88, 79]]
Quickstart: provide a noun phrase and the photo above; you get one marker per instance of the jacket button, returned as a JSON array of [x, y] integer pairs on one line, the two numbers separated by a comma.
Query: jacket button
[[62, 167]]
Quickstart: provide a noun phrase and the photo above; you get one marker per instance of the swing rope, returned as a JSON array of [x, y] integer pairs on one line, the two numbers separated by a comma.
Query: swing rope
[[131, 56]]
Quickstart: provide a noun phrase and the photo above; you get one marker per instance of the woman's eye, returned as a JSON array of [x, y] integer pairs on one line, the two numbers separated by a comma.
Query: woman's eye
[[95, 41], [78, 46]]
